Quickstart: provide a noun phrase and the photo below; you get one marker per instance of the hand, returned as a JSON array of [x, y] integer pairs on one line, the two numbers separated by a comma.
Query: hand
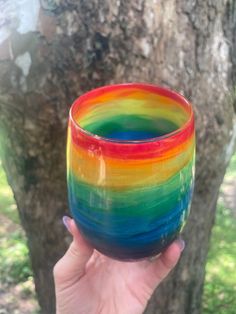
[[88, 282]]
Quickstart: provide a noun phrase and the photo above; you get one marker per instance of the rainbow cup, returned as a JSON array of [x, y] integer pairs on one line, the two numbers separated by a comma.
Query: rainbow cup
[[130, 168]]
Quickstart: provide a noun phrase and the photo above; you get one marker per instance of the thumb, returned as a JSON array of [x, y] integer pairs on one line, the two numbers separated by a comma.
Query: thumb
[[162, 266], [71, 267]]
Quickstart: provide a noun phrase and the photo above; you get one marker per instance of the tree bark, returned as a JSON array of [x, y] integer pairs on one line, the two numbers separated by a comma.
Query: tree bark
[[52, 52]]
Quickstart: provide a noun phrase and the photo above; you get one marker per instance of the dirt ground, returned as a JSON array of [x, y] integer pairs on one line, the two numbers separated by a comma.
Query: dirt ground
[[229, 194], [20, 298]]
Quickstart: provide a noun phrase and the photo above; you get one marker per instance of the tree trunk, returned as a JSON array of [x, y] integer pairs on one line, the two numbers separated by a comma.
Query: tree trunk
[[52, 52]]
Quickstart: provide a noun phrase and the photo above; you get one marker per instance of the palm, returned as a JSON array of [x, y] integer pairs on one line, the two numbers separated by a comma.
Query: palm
[[110, 286], [88, 282]]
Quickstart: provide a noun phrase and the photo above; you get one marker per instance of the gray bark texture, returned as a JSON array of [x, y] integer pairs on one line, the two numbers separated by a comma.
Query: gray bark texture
[[53, 51]]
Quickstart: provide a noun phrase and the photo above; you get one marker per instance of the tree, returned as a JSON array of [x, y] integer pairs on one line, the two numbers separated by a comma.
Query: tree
[[52, 52]]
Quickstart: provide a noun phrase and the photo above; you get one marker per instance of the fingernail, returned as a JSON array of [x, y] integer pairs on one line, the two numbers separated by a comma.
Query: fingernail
[[181, 244], [153, 258], [66, 221]]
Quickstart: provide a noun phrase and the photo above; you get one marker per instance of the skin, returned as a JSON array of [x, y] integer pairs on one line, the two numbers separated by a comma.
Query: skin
[[88, 282]]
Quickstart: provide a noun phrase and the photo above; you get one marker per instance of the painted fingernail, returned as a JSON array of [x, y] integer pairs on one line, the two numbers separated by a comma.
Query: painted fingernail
[[181, 244], [66, 221], [153, 258]]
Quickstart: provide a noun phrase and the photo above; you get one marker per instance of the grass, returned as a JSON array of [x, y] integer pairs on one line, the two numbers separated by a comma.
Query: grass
[[7, 202], [14, 265], [16, 279], [231, 171], [220, 284], [14, 260]]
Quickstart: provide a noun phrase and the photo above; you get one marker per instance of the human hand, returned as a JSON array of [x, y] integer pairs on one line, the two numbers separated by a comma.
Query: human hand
[[88, 282]]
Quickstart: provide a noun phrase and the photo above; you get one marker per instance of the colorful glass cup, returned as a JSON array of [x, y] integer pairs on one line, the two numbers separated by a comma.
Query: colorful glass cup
[[130, 168]]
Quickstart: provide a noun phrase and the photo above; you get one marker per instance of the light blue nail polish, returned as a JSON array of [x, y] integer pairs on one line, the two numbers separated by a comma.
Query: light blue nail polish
[[181, 244], [65, 220]]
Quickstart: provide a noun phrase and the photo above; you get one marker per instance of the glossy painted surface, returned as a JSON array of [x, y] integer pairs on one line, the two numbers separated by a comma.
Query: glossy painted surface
[[130, 168]]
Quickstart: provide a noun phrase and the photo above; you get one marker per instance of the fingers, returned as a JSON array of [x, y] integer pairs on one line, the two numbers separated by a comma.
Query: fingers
[[162, 266], [71, 267]]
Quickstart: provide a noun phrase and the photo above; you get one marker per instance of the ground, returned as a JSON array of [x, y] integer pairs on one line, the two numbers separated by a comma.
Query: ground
[[17, 294]]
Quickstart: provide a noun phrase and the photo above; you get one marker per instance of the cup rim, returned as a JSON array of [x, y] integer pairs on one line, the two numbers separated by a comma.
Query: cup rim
[[164, 91]]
